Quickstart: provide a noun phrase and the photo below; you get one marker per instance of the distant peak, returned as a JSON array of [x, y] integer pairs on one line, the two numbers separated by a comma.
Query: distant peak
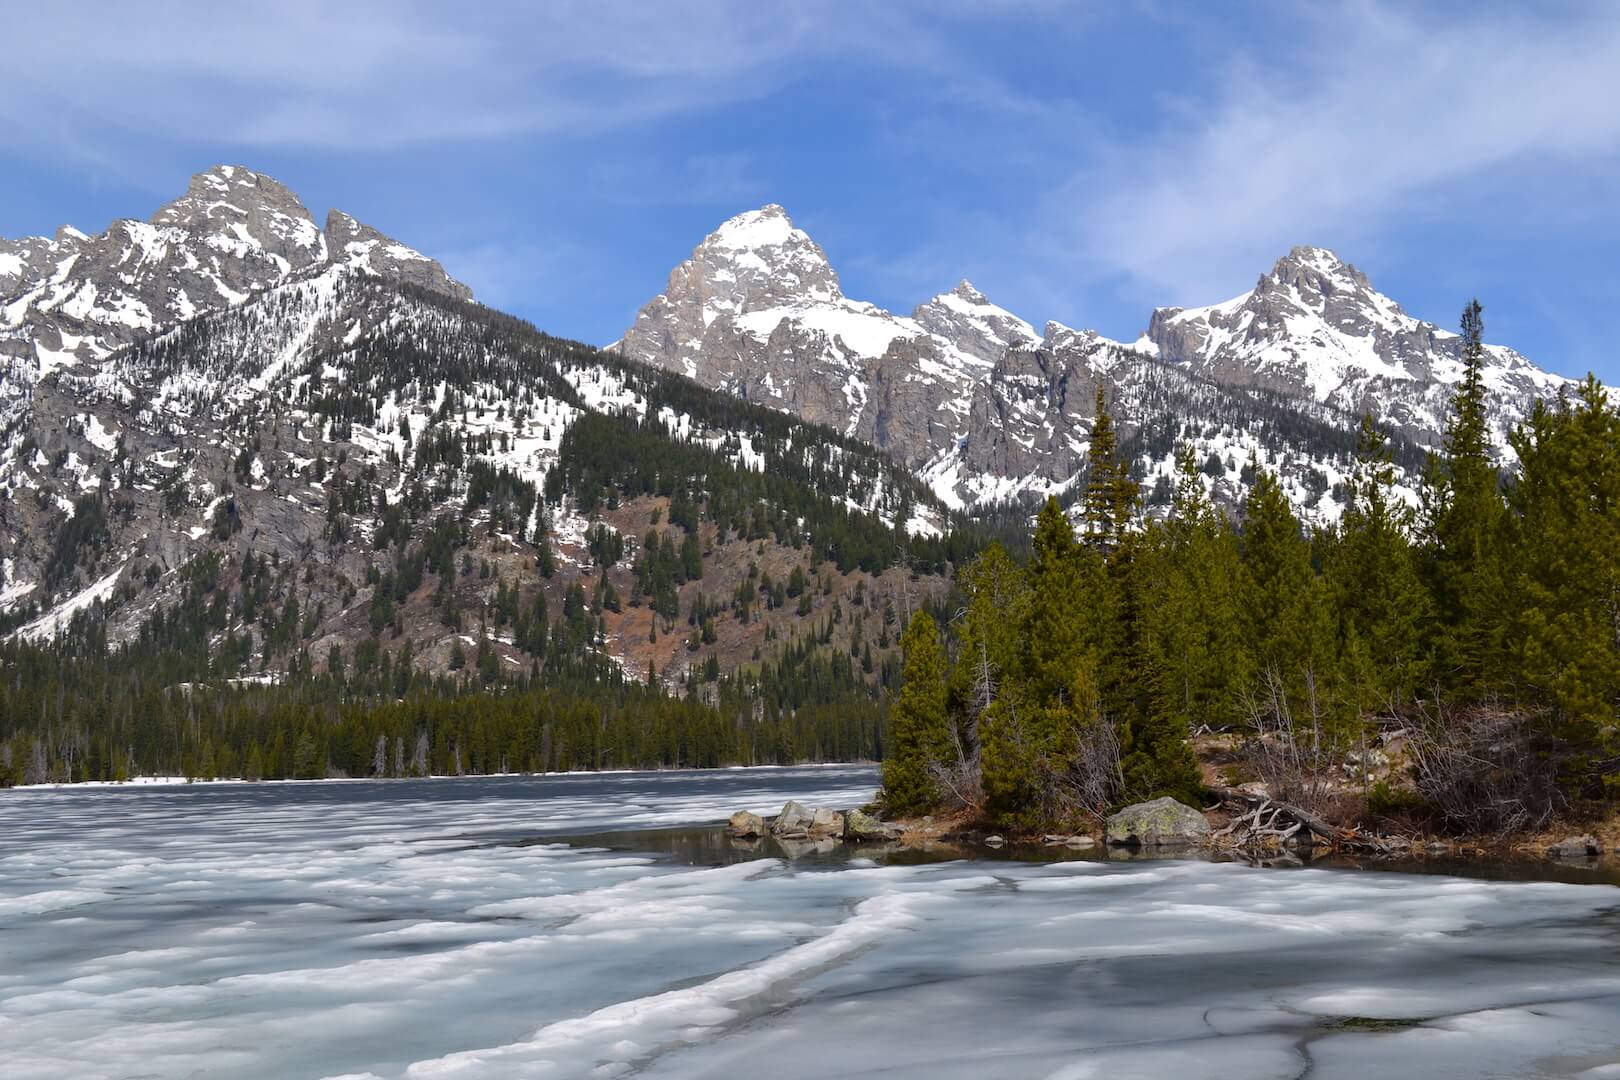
[[224, 193], [769, 226], [351, 242], [1308, 261], [966, 290]]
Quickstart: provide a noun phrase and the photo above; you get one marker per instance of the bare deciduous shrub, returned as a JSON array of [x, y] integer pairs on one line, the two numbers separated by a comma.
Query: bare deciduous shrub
[[1486, 769], [1093, 780], [1295, 756]]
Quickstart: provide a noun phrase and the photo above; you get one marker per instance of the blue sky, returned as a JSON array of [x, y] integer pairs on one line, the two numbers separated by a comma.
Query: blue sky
[[1079, 162]]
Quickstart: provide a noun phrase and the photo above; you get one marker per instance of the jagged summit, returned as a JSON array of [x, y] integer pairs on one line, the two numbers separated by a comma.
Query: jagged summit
[[236, 205], [967, 319], [353, 243], [234, 233], [757, 309], [1316, 326]]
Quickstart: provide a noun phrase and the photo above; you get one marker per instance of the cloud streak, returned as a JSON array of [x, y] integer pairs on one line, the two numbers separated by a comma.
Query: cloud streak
[[1366, 124], [378, 74]]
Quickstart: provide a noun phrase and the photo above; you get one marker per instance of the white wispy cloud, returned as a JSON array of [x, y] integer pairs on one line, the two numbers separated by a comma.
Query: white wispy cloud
[[1361, 120], [372, 73]]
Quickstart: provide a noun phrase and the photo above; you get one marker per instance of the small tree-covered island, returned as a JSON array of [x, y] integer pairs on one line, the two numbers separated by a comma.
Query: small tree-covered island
[[1450, 667]]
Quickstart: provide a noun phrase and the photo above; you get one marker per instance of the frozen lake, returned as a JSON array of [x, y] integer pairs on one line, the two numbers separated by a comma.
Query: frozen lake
[[412, 929]]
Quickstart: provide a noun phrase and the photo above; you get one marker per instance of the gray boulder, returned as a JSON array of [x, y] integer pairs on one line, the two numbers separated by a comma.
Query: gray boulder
[[744, 825], [794, 818], [861, 826], [1161, 823], [828, 823], [1576, 847]]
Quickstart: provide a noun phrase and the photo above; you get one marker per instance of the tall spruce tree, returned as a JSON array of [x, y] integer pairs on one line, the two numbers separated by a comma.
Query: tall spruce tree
[[1373, 575], [1289, 631], [1566, 550], [1111, 495], [1465, 522], [1194, 662], [989, 643], [920, 737]]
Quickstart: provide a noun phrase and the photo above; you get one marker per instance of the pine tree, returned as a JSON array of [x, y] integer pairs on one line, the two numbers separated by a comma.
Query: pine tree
[[1374, 580], [920, 737], [1289, 630], [1566, 550], [989, 645], [1191, 651], [1465, 523], [1111, 495]]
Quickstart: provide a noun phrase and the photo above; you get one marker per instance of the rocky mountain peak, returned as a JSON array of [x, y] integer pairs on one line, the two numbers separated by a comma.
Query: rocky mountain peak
[[967, 319], [757, 259], [235, 206], [1318, 274], [234, 233], [966, 290], [353, 243]]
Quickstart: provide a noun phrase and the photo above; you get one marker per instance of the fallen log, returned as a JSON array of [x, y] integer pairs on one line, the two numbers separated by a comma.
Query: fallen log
[[1259, 804]]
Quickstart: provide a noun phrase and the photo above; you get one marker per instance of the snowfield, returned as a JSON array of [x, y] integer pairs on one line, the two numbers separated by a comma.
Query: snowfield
[[402, 929]]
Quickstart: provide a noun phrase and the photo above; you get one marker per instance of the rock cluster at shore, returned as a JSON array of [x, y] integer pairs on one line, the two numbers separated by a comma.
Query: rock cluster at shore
[[800, 822]]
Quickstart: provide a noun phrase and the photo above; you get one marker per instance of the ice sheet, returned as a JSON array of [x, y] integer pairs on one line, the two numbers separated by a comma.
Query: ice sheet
[[407, 929]]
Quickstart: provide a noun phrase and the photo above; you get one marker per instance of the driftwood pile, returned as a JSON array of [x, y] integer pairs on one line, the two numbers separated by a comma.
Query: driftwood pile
[[1260, 823]]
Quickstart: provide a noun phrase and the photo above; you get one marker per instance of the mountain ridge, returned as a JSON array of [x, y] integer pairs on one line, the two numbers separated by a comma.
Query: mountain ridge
[[934, 387]]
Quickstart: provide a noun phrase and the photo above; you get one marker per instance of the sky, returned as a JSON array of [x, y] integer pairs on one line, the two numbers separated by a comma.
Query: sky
[[1083, 162]]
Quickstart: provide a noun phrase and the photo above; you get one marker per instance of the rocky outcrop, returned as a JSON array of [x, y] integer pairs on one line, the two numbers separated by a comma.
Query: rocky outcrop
[[1576, 847], [860, 826], [1163, 822], [354, 244]]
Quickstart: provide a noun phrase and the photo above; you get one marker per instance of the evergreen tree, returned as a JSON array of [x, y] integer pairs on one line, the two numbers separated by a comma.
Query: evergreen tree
[[1566, 549], [1191, 650], [920, 736], [1465, 522], [1111, 495], [1376, 588], [1289, 630]]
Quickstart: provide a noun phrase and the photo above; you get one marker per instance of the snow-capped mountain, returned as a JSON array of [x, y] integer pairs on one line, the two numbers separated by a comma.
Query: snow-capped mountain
[[758, 311], [989, 411], [233, 233], [268, 480], [1315, 326]]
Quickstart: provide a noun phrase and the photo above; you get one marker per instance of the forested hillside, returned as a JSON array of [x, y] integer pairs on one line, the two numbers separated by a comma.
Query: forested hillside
[[416, 498]]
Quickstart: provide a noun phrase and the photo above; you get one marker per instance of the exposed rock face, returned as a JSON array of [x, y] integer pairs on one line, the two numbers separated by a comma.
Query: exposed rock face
[[758, 310], [1164, 822], [967, 319], [354, 244]]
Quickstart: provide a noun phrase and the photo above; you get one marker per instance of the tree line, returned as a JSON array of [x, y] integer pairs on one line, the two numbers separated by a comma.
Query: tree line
[[1481, 623]]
